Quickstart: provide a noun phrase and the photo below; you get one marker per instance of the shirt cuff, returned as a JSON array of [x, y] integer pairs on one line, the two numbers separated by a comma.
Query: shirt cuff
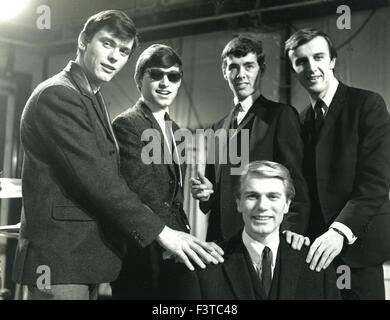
[[351, 238]]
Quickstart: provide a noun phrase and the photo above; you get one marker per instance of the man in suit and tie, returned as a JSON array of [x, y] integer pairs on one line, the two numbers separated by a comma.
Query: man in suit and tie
[[158, 75], [274, 134], [347, 167], [259, 263], [78, 211]]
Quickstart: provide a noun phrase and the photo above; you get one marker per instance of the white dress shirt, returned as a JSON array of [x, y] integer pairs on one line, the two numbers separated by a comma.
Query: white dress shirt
[[255, 249], [246, 104]]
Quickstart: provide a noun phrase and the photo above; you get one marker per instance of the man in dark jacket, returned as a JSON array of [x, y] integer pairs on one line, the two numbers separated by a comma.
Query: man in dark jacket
[[274, 134], [347, 167], [79, 211], [259, 264], [157, 181]]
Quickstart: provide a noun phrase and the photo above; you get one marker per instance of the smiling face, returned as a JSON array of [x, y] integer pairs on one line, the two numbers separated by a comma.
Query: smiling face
[[263, 203], [242, 74], [159, 86], [313, 66], [104, 56]]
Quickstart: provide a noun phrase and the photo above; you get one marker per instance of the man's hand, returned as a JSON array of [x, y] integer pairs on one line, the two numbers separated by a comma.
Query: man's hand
[[324, 249], [296, 240], [184, 247], [201, 187]]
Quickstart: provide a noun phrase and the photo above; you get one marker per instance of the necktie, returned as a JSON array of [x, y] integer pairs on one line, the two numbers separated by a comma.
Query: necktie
[[172, 146], [266, 272], [237, 109], [319, 109]]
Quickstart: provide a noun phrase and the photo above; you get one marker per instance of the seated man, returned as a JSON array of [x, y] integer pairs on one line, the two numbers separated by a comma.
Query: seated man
[[259, 264]]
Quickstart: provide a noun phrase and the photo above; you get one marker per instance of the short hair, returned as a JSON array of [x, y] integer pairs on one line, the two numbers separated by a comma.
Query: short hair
[[240, 46], [159, 56], [267, 169], [304, 36], [116, 21]]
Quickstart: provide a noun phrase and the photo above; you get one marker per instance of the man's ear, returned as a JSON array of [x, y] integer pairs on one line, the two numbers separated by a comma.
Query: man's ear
[[82, 42], [287, 206], [332, 63], [238, 204], [223, 72]]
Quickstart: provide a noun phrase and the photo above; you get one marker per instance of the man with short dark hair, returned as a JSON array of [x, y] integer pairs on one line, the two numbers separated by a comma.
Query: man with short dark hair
[[259, 263], [274, 134], [347, 167], [159, 184], [79, 211]]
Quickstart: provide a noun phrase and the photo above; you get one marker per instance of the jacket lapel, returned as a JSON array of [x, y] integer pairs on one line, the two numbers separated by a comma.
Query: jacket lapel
[[147, 113], [81, 81], [236, 270], [335, 107], [259, 127], [225, 127]]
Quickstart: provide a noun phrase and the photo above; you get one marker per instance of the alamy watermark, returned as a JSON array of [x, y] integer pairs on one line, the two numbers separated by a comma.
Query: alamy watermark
[[223, 146]]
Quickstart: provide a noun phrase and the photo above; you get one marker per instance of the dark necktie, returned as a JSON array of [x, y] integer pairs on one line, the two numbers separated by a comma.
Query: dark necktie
[[266, 272], [319, 109], [172, 146], [234, 123]]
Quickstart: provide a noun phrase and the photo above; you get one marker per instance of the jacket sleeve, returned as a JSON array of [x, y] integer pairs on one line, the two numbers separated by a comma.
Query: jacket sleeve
[[372, 179], [63, 125], [140, 176], [289, 152]]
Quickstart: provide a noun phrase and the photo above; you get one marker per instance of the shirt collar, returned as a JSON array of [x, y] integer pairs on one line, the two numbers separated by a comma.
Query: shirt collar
[[248, 101], [329, 95], [255, 248], [158, 113]]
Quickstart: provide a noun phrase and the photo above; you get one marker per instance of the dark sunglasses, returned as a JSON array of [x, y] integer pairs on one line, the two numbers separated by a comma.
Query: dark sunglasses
[[157, 75]]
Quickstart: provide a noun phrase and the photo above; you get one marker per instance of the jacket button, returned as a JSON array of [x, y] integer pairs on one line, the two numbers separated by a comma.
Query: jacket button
[[166, 204]]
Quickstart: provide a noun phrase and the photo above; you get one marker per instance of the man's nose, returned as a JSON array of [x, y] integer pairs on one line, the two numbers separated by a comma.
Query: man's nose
[[114, 55], [311, 65], [263, 203], [240, 72], [164, 82]]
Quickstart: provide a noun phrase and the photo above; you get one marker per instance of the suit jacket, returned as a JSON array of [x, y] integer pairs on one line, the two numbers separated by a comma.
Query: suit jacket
[[275, 135], [158, 186], [79, 212], [236, 278], [352, 171]]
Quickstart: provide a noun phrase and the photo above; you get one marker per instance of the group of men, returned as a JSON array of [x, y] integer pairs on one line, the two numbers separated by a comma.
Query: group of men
[[95, 212]]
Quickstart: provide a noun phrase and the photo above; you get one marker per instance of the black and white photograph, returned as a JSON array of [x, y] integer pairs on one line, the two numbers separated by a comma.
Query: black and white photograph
[[194, 154]]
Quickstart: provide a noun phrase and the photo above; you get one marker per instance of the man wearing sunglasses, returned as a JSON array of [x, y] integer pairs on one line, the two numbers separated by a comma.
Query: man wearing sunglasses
[[145, 273]]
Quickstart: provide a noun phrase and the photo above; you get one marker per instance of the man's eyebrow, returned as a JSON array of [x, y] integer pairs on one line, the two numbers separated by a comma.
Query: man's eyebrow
[[106, 38], [250, 192]]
